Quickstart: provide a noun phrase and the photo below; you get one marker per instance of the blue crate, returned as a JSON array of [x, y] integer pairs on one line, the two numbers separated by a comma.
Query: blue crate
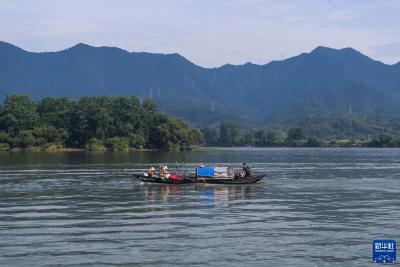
[[205, 171]]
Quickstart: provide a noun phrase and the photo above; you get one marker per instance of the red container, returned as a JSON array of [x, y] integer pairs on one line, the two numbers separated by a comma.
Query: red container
[[175, 177]]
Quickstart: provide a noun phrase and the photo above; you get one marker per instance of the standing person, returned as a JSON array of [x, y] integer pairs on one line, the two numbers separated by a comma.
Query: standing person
[[246, 170]]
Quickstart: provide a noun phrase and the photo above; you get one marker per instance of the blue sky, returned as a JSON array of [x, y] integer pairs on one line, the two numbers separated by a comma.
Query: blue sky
[[207, 32]]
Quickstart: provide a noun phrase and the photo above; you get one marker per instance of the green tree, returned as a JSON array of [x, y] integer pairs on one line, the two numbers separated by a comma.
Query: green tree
[[56, 112], [90, 122], [137, 140], [25, 139], [211, 136], [4, 140], [265, 138], [296, 134], [50, 135], [172, 134], [93, 119], [247, 139], [126, 115], [195, 137], [4, 147], [313, 142], [229, 134], [95, 144], [385, 139], [149, 105], [19, 114], [4, 137], [117, 143]]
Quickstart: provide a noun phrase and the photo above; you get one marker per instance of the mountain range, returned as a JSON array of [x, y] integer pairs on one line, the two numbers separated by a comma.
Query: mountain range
[[323, 82]]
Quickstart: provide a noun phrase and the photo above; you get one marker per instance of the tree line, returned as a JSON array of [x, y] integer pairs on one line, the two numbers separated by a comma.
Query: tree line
[[120, 123], [229, 134], [92, 123]]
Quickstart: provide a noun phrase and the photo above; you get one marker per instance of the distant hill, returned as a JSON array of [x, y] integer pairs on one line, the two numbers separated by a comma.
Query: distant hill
[[324, 82]]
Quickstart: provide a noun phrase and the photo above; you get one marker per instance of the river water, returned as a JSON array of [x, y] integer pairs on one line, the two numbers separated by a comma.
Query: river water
[[317, 207]]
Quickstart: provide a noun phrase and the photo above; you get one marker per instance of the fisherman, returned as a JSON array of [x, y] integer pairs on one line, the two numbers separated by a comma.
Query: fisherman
[[151, 171], [246, 170], [164, 172]]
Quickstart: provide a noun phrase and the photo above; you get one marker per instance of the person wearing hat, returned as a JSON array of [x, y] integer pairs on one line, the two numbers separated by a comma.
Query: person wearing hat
[[151, 171], [164, 172], [246, 170]]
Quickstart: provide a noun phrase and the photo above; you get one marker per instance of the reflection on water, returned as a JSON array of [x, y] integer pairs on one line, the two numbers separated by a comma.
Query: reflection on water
[[209, 196], [318, 207]]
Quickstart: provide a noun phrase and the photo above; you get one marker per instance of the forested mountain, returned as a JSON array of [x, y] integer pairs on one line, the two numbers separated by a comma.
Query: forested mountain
[[324, 82]]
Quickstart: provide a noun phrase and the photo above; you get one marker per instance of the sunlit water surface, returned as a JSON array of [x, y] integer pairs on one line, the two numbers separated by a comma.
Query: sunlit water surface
[[317, 207]]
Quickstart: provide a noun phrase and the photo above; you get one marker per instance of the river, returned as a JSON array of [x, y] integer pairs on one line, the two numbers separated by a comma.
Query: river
[[317, 207]]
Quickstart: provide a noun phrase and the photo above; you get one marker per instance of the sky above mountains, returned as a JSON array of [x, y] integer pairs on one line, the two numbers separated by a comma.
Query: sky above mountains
[[209, 33]]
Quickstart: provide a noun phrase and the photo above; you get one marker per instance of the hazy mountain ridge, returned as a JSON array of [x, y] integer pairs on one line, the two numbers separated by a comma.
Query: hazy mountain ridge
[[324, 82]]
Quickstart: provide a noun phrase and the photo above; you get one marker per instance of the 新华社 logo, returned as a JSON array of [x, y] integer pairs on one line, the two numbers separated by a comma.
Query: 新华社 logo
[[384, 251]]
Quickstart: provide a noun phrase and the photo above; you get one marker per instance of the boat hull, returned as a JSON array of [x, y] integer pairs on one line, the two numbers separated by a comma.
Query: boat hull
[[158, 180], [190, 180], [244, 180]]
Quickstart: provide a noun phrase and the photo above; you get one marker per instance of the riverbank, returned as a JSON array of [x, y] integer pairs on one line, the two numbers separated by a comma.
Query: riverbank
[[197, 149], [384, 141], [68, 149]]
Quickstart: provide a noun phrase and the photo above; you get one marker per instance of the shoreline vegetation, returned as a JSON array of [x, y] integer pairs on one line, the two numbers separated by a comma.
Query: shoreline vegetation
[[109, 123], [230, 135], [198, 149], [97, 123]]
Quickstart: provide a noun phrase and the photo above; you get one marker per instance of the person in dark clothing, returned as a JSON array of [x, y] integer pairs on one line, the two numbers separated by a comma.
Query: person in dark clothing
[[246, 170]]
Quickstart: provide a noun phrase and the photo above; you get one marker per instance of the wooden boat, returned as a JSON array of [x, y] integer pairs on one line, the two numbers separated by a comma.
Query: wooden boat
[[190, 180], [242, 180], [158, 180]]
